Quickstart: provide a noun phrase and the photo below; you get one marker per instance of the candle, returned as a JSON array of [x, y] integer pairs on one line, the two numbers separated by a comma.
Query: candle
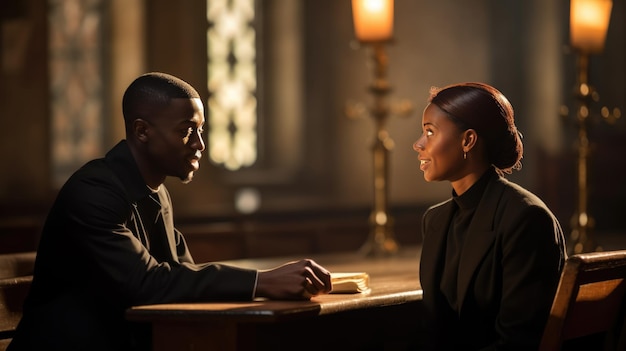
[[373, 19], [589, 21]]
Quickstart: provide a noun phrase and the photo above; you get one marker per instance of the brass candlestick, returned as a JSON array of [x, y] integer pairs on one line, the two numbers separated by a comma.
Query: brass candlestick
[[582, 221], [589, 21], [381, 240]]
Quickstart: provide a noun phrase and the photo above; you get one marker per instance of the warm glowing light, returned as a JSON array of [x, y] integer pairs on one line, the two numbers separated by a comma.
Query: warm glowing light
[[232, 105], [247, 200], [589, 22], [373, 19]]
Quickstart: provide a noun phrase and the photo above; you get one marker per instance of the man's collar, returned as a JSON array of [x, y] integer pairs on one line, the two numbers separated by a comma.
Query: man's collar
[[123, 164]]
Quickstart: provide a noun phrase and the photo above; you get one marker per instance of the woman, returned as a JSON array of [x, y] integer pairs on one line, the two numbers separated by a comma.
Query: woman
[[492, 254]]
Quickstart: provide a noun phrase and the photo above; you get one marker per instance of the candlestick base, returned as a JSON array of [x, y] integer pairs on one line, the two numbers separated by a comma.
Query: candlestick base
[[381, 241]]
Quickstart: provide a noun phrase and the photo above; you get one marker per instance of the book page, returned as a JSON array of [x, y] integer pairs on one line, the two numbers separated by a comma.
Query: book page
[[349, 282]]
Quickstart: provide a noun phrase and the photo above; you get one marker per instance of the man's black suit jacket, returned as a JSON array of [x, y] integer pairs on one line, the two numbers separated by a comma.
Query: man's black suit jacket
[[108, 245]]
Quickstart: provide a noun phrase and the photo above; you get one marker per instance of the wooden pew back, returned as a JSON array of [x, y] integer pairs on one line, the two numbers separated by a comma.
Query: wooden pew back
[[15, 279], [17, 264], [588, 308], [13, 291]]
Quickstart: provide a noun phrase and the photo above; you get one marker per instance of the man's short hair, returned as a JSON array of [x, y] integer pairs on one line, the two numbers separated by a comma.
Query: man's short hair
[[153, 91]]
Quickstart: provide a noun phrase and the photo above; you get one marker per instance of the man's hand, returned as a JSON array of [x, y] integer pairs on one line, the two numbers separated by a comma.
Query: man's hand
[[296, 280]]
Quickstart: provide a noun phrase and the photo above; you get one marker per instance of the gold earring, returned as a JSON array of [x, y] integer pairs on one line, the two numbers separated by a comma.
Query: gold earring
[[465, 155]]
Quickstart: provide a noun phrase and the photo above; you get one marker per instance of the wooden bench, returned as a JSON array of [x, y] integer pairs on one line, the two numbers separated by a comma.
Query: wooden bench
[[17, 264], [13, 291], [16, 271], [589, 308]]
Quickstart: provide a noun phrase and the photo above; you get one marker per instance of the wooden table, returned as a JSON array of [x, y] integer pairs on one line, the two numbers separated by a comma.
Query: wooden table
[[388, 317]]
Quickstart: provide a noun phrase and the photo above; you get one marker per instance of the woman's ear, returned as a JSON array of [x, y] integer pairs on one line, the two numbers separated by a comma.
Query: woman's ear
[[469, 139]]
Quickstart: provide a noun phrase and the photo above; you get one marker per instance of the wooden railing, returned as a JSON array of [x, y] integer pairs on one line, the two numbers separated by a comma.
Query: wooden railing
[[15, 279]]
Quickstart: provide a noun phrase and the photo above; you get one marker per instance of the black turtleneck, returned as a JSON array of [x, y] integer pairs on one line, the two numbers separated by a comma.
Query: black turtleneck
[[464, 209]]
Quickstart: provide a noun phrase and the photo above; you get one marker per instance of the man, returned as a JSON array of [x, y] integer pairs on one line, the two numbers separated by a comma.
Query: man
[[109, 241]]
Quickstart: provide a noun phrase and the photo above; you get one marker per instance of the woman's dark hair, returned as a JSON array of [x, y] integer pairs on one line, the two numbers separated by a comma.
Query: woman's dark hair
[[483, 108]]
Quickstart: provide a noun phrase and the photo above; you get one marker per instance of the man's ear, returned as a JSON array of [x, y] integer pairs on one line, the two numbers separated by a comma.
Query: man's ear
[[469, 139], [140, 130]]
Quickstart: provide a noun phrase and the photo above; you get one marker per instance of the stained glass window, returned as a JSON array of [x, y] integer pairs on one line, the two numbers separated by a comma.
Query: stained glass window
[[232, 104], [75, 48]]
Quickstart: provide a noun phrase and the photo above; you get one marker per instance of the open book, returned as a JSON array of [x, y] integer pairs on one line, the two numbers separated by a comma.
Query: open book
[[350, 283]]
